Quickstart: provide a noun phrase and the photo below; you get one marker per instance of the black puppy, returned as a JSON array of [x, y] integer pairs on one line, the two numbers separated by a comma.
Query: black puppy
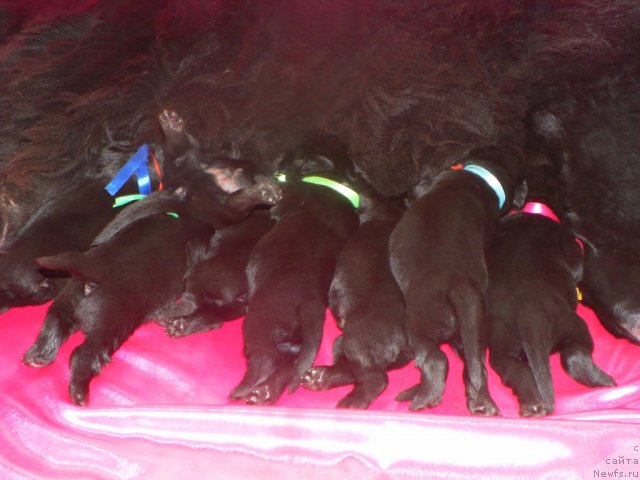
[[437, 257], [215, 288], [69, 222], [534, 266], [368, 305], [291, 268], [111, 293]]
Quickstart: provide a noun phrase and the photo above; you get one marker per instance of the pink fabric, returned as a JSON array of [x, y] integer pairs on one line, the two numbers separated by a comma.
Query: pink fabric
[[160, 411]]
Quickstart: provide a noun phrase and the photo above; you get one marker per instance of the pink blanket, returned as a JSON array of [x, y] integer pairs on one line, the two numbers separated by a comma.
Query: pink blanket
[[160, 411]]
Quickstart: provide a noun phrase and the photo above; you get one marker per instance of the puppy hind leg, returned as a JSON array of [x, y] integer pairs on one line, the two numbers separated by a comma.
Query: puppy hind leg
[[88, 359], [518, 376], [325, 377], [57, 327], [269, 391], [369, 384], [575, 355], [260, 366], [470, 311], [434, 367], [311, 315]]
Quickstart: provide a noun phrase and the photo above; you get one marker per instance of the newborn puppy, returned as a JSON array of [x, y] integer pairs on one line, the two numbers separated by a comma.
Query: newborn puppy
[[215, 288], [368, 305], [111, 293], [437, 257], [290, 270], [68, 223], [534, 265]]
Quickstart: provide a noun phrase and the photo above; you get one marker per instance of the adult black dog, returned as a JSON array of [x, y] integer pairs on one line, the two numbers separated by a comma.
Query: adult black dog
[[534, 266], [291, 268], [437, 257], [369, 307], [111, 295]]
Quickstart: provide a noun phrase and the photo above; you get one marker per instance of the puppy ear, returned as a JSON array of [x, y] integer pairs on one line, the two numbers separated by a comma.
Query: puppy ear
[[520, 195], [315, 164], [573, 254], [76, 263]]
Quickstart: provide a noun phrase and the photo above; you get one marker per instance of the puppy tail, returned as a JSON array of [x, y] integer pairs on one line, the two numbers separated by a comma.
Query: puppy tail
[[538, 358], [76, 263], [311, 316]]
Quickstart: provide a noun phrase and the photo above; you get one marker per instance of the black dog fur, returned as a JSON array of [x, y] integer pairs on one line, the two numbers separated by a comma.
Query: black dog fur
[[534, 266], [369, 308], [290, 271], [437, 257], [111, 295], [215, 288]]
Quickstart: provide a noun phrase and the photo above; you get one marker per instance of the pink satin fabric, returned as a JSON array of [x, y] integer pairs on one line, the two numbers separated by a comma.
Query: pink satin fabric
[[160, 411]]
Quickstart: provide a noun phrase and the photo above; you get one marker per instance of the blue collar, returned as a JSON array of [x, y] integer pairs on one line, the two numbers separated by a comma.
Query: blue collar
[[490, 180]]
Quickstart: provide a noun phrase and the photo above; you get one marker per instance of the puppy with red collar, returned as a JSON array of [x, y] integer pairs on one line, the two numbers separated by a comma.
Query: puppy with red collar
[[534, 267], [437, 254]]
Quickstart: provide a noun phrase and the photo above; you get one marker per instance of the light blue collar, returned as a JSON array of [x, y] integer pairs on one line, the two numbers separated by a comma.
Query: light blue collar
[[490, 179]]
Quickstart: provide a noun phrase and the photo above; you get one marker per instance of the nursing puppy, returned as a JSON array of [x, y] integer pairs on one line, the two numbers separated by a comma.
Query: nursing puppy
[[369, 307], [437, 257], [215, 288], [534, 266], [70, 222], [290, 270], [110, 295]]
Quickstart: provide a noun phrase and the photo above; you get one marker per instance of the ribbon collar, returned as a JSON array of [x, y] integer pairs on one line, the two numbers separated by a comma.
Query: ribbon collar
[[490, 179], [126, 199], [136, 165], [343, 190], [539, 208]]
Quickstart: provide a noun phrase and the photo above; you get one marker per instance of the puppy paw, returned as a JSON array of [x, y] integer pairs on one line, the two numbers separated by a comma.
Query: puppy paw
[[314, 379], [483, 406], [79, 394], [37, 358], [266, 190], [261, 395], [184, 326], [421, 396], [353, 402], [533, 410], [170, 121]]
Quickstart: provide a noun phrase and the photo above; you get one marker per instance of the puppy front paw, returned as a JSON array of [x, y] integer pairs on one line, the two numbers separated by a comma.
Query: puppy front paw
[[170, 121], [267, 191]]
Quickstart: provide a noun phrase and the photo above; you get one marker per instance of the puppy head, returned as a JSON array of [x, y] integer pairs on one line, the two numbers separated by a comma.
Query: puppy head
[[25, 286], [324, 155], [507, 166], [543, 186]]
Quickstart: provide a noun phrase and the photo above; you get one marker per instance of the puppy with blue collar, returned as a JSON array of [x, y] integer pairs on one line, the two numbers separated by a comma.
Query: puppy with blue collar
[[437, 255]]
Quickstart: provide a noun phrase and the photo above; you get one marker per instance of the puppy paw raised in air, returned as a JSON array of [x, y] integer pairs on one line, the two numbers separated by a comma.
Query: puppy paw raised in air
[[170, 121]]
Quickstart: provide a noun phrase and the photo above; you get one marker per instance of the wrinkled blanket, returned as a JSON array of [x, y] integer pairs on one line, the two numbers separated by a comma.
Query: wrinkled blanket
[[160, 411]]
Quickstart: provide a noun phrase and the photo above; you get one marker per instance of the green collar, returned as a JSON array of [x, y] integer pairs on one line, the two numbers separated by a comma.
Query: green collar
[[343, 190], [125, 199]]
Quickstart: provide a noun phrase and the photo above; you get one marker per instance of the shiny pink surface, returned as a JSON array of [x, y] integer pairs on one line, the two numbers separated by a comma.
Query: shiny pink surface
[[159, 411]]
